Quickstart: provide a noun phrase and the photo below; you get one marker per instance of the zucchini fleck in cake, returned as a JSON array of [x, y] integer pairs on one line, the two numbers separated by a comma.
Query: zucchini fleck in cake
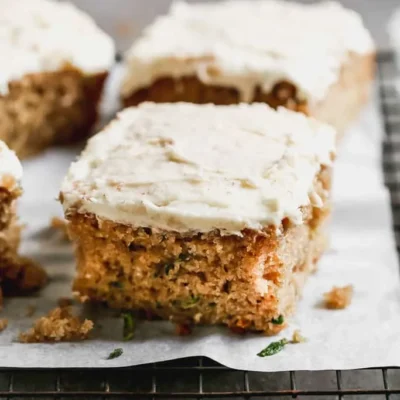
[[18, 274], [314, 58], [54, 64], [200, 213]]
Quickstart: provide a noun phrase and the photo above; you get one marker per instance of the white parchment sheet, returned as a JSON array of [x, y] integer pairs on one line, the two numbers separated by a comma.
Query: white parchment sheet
[[362, 253]]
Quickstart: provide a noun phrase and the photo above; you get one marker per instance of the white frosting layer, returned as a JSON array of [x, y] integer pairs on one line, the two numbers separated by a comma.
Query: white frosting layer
[[9, 165], [45, 35], [187, 167], [244, 44]]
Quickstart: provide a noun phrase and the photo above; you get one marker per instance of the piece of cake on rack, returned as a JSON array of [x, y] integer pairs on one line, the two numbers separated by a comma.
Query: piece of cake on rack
[[315, 58], [200, 213], [54, 62]]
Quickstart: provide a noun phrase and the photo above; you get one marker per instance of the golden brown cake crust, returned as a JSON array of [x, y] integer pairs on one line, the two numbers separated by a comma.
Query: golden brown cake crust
[[244, 282], [338, 297], [341, 105], [190, 89], [49, 108]]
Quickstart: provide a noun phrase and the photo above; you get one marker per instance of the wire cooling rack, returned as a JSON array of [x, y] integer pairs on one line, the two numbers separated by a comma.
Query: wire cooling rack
[[201, 378]]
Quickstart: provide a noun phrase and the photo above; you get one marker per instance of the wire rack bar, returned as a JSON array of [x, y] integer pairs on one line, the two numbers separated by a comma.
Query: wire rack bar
[[237, 394]]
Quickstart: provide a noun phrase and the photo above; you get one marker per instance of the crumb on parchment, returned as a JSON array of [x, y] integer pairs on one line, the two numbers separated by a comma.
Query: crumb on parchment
[[276, 347], [61, 225], [339, 297], [115, 354], [58, 326], [3, 324], [298, 337]]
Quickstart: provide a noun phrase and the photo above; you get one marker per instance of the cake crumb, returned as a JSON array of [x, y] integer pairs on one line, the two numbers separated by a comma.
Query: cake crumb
[[58, 326], [3, 324], [61, 225], [298, 337], [339, 297], [64, 302]]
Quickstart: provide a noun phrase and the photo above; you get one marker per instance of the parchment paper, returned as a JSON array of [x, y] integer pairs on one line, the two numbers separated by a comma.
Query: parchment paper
[[362, 253]]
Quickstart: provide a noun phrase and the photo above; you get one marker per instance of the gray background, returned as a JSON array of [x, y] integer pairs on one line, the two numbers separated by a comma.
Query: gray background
[[124, 19]]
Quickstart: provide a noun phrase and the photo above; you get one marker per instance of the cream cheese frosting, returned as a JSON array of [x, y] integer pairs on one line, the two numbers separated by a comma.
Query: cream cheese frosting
[[249, 43], [46, 35], [10, 167], [187, 167]]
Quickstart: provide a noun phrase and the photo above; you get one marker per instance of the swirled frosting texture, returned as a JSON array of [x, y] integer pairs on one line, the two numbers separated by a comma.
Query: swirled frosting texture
[[45, 35], [10, 167], [245, 44], [187, 167]]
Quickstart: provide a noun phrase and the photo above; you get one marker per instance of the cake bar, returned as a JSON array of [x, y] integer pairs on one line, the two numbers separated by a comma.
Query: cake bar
[[17, 274], [10, 176], [200, 213], [313, 58], [54, 64], [10, 190]]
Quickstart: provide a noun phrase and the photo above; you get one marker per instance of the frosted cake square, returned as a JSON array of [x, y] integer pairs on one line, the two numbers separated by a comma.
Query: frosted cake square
[[54, 64], [201, 214], [314, 58]]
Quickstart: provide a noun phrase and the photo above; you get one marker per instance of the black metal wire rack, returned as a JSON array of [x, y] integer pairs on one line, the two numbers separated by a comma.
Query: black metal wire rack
[[201, 378]]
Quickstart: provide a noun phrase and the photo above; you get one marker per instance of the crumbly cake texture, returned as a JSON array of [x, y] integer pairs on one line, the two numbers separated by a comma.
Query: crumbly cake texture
[[60, 325], [55, 61], [226, 52], [17, 274], [201, 214], [49, 108], [10, 176]]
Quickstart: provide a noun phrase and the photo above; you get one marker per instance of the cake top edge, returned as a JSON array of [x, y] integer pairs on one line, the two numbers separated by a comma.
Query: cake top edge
[[44, 36], [10, 168], [187, 167], [249, 43]]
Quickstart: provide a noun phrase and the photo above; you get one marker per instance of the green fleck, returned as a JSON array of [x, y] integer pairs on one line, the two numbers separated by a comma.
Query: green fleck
[[278, 321], [129, 326], [273, 348], [189, 302], [168, 267], [184, 256], [115, 354], [116, 284]]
